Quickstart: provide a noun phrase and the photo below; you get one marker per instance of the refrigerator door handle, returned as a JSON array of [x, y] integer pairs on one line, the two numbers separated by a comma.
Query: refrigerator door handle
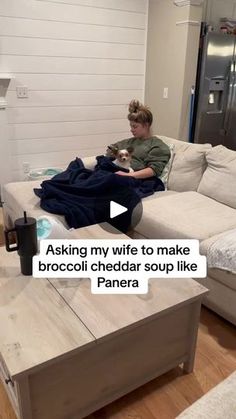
[[230, 96]]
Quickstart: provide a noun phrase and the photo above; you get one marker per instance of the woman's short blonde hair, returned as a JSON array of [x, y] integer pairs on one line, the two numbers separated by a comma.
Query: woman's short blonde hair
[[139, 113]]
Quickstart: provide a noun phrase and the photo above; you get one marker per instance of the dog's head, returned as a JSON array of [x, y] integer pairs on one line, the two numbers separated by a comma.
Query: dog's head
[[125, 154]]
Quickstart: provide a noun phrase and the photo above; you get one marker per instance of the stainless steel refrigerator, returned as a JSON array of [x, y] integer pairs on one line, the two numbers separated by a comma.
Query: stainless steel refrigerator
[[215, 111]]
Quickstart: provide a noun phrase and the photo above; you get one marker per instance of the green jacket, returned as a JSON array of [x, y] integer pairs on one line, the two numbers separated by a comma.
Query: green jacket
[[151, 152]]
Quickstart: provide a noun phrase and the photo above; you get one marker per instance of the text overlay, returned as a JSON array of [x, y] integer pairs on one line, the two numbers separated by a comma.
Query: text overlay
[[119, 266]]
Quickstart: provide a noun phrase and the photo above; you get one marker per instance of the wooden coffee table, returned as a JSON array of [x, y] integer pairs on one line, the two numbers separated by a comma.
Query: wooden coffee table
[[66, 352]]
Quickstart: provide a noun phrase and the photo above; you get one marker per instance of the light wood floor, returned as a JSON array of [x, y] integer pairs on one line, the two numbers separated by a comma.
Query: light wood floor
[[167, 396]]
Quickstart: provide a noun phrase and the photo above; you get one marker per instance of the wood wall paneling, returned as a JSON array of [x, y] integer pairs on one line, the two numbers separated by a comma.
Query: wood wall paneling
[[21, 27], [131, 5], [65, 114], [65, 65], [73, 143], [71, 13], [68, 48], [82, 61], [76, 82], [51, 159], [74, 98], [60, 129]]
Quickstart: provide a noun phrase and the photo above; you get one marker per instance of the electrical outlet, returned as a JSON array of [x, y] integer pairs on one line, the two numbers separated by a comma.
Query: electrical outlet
[[22, 92], [165, 93], [26, 167]]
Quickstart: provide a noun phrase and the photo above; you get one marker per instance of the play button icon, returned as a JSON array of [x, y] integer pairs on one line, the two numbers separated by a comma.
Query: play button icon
[[116, 209]]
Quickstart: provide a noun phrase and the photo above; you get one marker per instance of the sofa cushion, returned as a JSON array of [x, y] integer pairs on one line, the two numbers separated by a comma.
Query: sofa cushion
[[219, 179], [185, 215], [188, 165], [89, 162], [220, 299], [222, 252], [161, 194], [19, 195], [225, 277], [206, 244]]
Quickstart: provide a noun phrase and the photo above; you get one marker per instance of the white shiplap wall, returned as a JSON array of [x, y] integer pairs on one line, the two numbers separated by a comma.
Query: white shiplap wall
[[82, 61]]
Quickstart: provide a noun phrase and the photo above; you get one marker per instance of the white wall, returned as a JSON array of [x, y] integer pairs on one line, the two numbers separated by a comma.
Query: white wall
[[82, 61], [172, 51], [190, 70], [165, 54]]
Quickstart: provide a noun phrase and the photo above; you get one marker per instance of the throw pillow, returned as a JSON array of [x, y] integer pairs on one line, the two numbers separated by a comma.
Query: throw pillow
[[188, 165], [219, 179], [166, 171]]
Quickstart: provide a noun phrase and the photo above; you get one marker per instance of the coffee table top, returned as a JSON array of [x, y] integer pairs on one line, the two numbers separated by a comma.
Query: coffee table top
[[36, 324], [98, 231], [111, 313], [42, 320]]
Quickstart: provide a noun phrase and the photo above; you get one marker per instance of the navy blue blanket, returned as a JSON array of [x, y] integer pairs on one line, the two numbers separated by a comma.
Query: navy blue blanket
[[83, 196]]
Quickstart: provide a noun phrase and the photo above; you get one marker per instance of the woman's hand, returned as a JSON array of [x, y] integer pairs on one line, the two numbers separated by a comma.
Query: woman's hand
[[139, 174], [121, 173]]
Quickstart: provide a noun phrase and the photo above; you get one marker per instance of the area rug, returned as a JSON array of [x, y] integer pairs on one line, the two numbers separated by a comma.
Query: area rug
[[218, 403]]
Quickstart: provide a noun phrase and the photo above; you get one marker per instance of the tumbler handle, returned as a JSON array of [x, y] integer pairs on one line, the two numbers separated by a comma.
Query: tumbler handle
[[8, 247]]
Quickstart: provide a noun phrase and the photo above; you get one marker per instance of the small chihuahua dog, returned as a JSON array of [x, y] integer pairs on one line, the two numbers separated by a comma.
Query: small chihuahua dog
[[123, 157]]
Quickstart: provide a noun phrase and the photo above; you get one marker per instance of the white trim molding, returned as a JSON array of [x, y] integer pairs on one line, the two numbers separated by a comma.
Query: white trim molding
[[189, 22], [188, 2]]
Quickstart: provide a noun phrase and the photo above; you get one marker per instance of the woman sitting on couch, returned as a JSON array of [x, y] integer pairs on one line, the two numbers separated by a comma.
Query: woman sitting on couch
[[150, 154]]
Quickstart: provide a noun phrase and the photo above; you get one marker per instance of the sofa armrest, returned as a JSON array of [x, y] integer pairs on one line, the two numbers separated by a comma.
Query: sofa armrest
[[89, 162]]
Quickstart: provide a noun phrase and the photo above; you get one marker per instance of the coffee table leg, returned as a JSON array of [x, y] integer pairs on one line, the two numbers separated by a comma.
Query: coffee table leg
[[195, 315], [24, 398]]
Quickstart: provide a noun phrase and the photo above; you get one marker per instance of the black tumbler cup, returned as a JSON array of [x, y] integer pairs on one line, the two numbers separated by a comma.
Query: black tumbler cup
[[26, 234]]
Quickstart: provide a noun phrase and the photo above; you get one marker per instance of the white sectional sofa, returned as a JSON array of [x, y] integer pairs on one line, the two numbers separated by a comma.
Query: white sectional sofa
[[199, 203]]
